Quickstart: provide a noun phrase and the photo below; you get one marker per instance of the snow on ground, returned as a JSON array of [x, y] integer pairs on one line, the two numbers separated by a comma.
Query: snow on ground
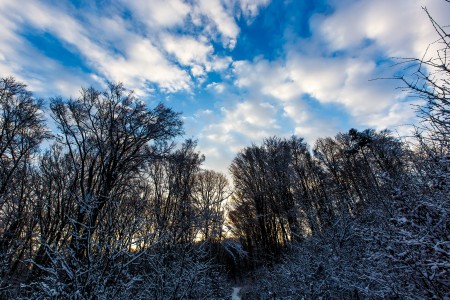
[[235, 295]]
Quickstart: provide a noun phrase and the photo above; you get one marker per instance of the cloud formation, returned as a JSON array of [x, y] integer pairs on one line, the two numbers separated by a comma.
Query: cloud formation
[[241, 70]]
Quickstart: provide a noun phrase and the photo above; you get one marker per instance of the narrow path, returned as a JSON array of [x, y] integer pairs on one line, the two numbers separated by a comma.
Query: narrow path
[[235, 295]]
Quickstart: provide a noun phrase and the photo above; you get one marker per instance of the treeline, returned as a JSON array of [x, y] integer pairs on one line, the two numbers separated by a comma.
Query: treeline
[[364, 216], [284, 194], [107, 207]]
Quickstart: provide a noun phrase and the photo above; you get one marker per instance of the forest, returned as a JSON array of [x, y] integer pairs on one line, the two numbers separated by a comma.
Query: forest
[[101, 203]]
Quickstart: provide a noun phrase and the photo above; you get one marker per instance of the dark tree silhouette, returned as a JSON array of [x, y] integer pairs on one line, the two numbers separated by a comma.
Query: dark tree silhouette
[[22, 129]]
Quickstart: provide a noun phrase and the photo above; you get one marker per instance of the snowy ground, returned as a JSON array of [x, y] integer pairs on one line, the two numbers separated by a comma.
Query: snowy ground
[[235, 295]]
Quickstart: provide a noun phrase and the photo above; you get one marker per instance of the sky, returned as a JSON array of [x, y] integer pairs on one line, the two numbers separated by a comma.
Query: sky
[[238, 70]]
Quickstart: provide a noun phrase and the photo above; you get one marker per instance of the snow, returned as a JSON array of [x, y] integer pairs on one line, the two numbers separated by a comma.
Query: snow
[[235, 295]]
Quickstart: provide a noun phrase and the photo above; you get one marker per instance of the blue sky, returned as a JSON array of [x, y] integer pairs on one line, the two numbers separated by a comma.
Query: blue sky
[[238, 70]]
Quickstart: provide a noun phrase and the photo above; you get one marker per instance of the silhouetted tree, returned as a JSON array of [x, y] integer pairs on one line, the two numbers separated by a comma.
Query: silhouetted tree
[[211, 190], [22, 130]]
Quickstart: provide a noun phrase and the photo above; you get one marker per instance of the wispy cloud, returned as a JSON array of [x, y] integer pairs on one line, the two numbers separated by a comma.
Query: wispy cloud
[[144, 50]]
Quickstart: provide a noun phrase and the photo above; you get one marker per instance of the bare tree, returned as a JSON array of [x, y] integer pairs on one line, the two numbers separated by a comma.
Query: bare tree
[[429, 80], [90, 211], [22, 130], [424, 258], [272, 193], [211, 190], [108, 137]]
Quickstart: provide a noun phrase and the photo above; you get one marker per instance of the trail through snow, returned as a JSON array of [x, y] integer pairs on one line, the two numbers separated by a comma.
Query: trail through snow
[[235, 295]]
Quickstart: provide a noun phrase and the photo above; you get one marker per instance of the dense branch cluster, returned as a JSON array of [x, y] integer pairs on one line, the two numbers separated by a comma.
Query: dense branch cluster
[[360, 217], [110, 207]]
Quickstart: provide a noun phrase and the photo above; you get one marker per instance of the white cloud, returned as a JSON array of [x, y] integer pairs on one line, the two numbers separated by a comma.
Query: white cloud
[[222, 19], [219, 63], [144, 62], [400, 28], [238, 124], [187, 49], [218, 87], [196, 53], [197, 71], [251, 8], [246, 122], [157, 14], [251, 119]]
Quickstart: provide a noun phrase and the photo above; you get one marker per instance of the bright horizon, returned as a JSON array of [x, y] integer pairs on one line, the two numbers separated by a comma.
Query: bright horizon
[[238, 70]]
